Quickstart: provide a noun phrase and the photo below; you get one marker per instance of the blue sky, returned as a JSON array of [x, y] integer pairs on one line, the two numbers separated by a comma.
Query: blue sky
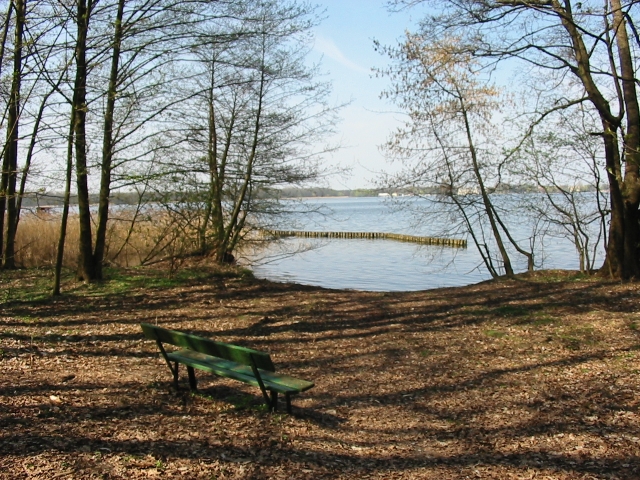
[[345, 42]]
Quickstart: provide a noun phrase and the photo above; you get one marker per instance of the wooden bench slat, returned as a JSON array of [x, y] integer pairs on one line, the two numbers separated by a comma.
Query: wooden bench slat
[[227, 351], [273, 381]]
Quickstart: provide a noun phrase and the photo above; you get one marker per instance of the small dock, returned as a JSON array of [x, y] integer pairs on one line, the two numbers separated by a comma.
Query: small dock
[[444, 242]]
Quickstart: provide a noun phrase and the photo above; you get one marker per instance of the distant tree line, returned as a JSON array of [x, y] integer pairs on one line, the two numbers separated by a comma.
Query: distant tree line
[[57, 199]]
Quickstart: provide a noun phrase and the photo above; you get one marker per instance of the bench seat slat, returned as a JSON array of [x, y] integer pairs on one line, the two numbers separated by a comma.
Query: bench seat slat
[[234, 353], [226, 368]]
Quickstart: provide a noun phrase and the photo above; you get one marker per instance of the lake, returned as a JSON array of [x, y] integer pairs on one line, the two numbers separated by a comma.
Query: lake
[[386, 265]]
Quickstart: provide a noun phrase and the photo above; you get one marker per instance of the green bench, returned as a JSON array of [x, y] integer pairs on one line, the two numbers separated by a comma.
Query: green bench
[[226, 360]]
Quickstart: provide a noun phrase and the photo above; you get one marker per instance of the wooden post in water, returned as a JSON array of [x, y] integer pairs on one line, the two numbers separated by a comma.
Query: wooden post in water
[[445, 242]]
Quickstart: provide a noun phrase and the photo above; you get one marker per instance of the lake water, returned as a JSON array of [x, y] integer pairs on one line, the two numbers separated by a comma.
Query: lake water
[[386, 265]]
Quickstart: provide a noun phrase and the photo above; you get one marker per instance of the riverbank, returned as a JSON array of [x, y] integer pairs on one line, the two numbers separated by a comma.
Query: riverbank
[[529, 378]]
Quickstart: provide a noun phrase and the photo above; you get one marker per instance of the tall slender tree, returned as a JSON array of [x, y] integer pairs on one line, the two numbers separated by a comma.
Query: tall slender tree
[[256, 113], [4, 172], [86, 267], [10, 161], [107, 143], [448, 141]]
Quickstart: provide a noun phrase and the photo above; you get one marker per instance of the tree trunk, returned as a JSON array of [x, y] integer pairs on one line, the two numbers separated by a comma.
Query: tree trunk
[[4, 173], [11, 151], [65, 209], [107, 147], [488, 206], [232, 231], [86, 270], [615, 256], [211, 211], [631, 184], [615, 264]]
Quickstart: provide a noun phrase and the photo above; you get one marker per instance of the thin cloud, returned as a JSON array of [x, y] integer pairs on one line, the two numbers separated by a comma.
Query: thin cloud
[[331, 50]]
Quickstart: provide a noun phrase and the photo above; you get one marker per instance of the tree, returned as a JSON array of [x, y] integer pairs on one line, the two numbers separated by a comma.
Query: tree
[[10, 160], [4, 173], [65, 210], [582, 43], [126, 70], [257, 112], [448, 139], [86, 268], [107, 142], [145, 40], [563, 160], [138, 40]]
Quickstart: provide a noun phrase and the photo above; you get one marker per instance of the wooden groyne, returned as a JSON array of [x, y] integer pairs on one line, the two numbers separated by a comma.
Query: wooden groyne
[[445, 242]]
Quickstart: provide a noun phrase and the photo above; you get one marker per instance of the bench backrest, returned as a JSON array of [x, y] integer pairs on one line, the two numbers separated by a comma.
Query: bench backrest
[[227, 351]]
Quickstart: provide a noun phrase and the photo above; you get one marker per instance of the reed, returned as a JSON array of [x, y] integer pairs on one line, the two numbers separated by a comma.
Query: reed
[[129, 243], [37, 240]]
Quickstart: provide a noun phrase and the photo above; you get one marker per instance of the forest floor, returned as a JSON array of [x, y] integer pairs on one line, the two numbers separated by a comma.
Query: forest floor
[[530, 378]]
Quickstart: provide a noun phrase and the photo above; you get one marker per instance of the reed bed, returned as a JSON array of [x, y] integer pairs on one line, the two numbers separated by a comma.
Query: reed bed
[[445, 242], [37, 239], [132, 239]]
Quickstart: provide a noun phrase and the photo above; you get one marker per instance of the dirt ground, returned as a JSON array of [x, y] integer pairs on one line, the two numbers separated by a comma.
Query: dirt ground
[[530, 379]]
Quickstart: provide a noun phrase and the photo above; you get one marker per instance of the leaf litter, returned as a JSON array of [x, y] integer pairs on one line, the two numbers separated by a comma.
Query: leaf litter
[[519, 379]]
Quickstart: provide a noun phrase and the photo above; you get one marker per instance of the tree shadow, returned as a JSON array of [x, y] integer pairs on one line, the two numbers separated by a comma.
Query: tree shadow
[[371, 355]]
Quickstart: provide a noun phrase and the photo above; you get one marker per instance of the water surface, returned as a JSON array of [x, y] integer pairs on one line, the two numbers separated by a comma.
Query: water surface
[[386, 265]]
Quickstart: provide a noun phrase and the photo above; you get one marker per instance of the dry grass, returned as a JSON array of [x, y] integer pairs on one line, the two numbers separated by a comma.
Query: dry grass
[[37, 239], [132, 240]]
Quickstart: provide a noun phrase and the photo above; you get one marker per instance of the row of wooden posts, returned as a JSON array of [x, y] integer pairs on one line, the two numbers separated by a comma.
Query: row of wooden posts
[[445, 242]]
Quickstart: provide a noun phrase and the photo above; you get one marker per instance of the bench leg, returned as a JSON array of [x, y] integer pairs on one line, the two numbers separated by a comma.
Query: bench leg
[[193, 383], [175, 375], [274, 401], [288, 399]]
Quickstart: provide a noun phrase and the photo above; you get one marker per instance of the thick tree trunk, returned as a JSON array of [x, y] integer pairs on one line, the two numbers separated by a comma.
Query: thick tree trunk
[[614, 261], [622, 259], [86, 271], [631, 184]]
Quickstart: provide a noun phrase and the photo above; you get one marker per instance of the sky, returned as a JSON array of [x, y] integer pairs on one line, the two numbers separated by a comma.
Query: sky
[[344, 42]]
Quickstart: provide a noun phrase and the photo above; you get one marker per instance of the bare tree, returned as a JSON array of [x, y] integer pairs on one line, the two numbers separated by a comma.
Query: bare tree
[[564, 161], [83, 15], [448, 140], [586, 42], [147, 37], [254, 120], [4, 173], [10, 160], [138, 41], [65, 210], [127, 69]]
